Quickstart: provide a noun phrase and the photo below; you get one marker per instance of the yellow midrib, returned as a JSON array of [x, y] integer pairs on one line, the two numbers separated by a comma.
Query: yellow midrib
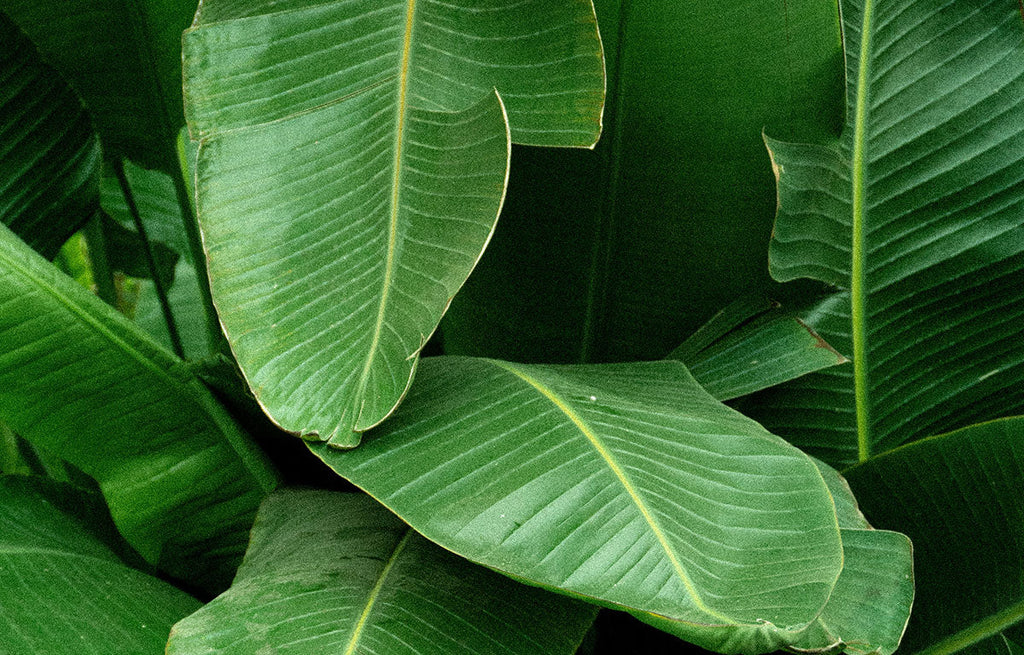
[[858, 281], [372, 598], [389, 263], [624, 480]]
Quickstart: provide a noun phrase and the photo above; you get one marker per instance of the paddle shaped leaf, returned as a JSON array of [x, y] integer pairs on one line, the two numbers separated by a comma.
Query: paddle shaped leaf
[[960, 497], [626, 484], [64, 587], [331, 572], [181, 478], [916, 211], [49, 155], [352, 162]]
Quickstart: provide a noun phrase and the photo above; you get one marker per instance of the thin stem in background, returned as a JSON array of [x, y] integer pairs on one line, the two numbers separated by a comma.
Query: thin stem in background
[[195, 242], [96, 246], [161, 291]]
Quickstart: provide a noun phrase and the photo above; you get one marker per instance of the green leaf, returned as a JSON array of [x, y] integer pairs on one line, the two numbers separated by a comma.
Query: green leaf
[[624, 484], [78, 379], [617, 254], [352, 162], [916, 212], [330, 572], [960, 497], [157, 200], [126, 253], [49, 157], [124, 60], [750, 345], [63, 586]]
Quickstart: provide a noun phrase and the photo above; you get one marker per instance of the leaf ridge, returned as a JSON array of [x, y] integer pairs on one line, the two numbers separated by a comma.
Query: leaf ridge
[[858, 278], [620, 474], [375, 592]]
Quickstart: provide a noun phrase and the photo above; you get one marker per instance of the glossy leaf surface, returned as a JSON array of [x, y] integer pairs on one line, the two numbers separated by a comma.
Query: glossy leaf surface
[[620, 253], [78, 379], [49, 155], [752, 345], [352, 164], [916, 211], [64, 587], [960, 497], [625, 484], [330, 572], [123, 57]]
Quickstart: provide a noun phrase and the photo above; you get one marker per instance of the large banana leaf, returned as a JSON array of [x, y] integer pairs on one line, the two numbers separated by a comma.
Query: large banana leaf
[[49, 155], [353, 160], [628, 485], [124, 58], [916, 211], [78, 379], [64, 587], [337, 573], [619, 253], [960, 497]]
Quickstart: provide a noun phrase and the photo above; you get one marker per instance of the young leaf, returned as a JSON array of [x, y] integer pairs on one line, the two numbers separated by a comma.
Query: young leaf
[[49, 157], [916, 212], [124, 60], [625, 484], [331, 572], [352, 164], [63, 586], [617, 254], [960, 497], [81, 381]]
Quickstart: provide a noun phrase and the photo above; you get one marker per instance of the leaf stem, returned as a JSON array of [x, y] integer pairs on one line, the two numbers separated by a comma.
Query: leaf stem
[[858, 277], [158, 283]]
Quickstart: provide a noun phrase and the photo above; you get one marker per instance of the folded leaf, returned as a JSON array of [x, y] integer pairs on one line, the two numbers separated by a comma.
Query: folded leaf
[[330, 572], [960, 497], [352, 164], [916, 211], [124, 60], [78, 379], [752, 345], [63, 586], [625, 484], [49, 155]]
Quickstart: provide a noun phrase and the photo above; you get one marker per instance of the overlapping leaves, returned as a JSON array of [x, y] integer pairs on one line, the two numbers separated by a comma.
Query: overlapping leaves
[[78, 379], [916, 211], [331, 572], [352, 164], [625, 484]]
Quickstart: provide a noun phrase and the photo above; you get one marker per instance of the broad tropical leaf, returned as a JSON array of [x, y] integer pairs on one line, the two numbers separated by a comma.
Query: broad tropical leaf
[[123, 57], [64, 587], [916, 211], [337, 573], [49, 155], [960, 497], [751, 345], [182, 480], [352, 164], [625, 484], [619, 253]]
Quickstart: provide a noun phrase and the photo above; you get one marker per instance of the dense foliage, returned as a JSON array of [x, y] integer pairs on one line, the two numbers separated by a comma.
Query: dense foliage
[[408, 326]]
